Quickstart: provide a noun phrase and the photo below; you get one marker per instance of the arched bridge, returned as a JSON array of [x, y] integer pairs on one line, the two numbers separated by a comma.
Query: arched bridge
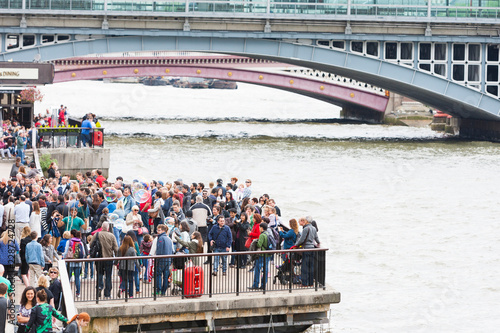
[[370, 102], [445, 56]]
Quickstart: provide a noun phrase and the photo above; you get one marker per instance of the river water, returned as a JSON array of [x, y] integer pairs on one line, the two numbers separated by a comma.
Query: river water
[[410, 216]]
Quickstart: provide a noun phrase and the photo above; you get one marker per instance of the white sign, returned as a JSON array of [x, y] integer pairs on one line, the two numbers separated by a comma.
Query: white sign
[[18, 73]]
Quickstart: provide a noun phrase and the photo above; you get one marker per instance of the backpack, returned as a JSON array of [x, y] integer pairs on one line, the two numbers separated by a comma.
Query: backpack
[[74, 251], [271, 241], [95, 248]]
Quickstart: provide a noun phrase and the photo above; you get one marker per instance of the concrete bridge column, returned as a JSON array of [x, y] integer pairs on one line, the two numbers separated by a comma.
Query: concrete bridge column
[[361, 114], [476, 129]]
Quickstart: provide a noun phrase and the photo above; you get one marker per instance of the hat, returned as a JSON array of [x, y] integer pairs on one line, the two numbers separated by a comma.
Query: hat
[[135, 207], [160, 182], [13, 179], [219, 181]]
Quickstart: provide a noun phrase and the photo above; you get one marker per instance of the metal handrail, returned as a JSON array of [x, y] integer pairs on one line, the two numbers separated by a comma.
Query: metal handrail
[[47, 136], [283, 274]]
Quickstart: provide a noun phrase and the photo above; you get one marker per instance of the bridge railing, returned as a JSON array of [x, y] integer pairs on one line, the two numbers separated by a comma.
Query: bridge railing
[[69, 137], [418, 9], [193, 275]]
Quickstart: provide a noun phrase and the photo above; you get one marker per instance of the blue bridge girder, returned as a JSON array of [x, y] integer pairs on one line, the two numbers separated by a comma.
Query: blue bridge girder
[[446, 57]]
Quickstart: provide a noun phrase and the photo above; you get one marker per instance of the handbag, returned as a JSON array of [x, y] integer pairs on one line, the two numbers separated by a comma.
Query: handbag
[[142, 230], [248, 242]]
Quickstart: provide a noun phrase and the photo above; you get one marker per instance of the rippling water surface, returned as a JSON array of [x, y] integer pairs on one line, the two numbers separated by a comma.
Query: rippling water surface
[[410, 216]]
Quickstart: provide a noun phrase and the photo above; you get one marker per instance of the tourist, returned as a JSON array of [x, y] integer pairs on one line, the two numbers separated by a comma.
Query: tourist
[[184, 230], [193, 226], [290, 236], [21, 145], [85, 131], [24, 269], [262, 259], [22, 216], [133, 221], [3, 306], [51, 172], [35, 220], [6, 282], [75, 250], [195, 245], [201, 212], [34, 258], [247, 193], [241, 227], [163, 247], [77, 322], [176, 211], [7, 258], [73, 222], [49, 252], [27, 303], [186, 199], [105, 268], [44, 284], [220, 240], [137, 269], [308, 240], [145, 249], [42, 314], [55, 287], [127, 266], [156, 213]]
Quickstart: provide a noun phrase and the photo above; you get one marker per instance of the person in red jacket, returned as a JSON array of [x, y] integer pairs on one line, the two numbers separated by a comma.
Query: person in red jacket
[[100, 178]]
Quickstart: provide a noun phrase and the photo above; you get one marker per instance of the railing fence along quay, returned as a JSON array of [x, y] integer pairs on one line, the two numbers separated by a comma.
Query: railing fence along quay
[[188, 280], [416, 9], [68, 137]]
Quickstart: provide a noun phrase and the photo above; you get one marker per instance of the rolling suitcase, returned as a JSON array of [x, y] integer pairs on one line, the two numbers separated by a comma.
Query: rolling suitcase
[[193, 281]]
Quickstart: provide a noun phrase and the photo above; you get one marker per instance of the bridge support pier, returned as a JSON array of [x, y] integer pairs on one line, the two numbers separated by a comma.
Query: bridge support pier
[[362, 115], [475, 129]]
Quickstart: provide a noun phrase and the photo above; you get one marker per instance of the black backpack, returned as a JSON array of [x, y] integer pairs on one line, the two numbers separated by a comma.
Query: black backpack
[[96, 248]]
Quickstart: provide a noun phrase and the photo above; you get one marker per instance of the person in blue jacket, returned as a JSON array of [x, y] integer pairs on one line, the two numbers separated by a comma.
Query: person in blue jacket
[[220, 239]]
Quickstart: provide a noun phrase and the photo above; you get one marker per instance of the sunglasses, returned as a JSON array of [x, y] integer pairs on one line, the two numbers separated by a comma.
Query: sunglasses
[[52, 272]]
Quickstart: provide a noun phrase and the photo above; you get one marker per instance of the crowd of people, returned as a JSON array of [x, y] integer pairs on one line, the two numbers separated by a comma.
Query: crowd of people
[[57, 217]]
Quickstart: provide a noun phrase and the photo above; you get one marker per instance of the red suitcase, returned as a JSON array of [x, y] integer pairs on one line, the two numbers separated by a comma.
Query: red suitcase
[[193, 281]]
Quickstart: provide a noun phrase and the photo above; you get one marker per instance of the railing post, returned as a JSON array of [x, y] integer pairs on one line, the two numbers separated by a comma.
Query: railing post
[[126, 280], [155, 287], [96, 276], [290, 282], [264, 275], [315, 265], [209, 276], [237, 275]]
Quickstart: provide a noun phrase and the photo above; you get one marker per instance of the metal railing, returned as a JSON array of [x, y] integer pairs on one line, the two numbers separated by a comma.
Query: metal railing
[[69, 137], [415, 9], [192, 275]]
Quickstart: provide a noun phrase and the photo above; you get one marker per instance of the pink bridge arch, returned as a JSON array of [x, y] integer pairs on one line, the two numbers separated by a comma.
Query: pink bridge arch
[[341, 95]]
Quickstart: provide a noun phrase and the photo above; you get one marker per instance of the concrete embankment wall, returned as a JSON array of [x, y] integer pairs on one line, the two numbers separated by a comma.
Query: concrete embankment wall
[[73, 160], [297, 310]]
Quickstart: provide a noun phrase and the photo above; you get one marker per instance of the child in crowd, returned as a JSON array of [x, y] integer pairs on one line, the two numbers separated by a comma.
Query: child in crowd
[[88, 264], [62, 243], [145, 249]]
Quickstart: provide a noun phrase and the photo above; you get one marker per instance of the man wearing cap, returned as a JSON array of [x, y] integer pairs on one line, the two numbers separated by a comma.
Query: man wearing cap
[[22, 216]]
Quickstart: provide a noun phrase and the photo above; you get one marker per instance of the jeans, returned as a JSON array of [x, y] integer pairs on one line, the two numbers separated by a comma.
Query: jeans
[[20, 153], [88, 265], [85, 139], [136, 279], [77, 270], [259, 264], [5, 151], [162, 273], [127, 281], [105, 268], [117, 232], [307, 269], [224, 260]]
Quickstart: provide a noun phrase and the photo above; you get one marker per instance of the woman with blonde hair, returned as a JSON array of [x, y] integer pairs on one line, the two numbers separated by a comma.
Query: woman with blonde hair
[[77, 322], [36, 219], [8, 261], [44, 284], [25, 239]]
